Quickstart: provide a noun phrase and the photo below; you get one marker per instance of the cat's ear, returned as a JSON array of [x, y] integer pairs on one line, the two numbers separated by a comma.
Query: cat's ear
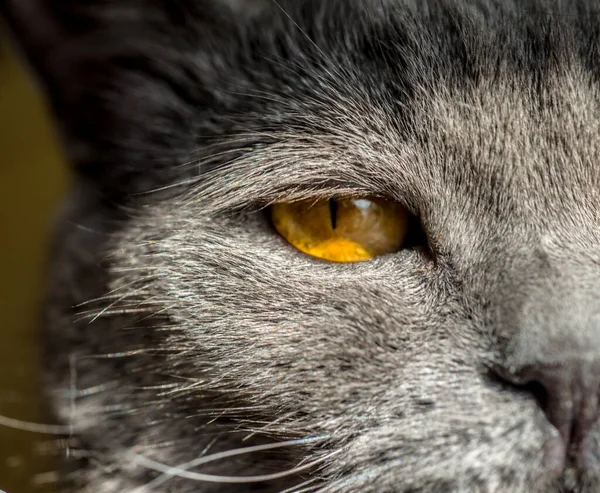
[[127, 78]]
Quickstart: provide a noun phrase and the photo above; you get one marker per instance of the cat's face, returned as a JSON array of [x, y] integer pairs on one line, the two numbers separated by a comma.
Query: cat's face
[[181, 325]]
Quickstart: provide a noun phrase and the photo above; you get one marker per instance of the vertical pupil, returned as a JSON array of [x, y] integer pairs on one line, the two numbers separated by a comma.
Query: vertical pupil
[[333, 212]]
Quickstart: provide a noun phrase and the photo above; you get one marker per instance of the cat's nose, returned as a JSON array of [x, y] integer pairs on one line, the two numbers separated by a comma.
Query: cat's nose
[[568, 394]]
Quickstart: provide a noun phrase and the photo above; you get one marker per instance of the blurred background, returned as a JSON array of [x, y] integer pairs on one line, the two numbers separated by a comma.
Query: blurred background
[[32, 180]]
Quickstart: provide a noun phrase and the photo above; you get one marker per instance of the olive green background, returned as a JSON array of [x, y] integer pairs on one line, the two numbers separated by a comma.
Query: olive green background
[[32, 180]]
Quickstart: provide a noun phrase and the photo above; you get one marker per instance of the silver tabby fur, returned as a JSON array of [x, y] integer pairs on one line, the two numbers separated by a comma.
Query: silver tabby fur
[[178, 324]]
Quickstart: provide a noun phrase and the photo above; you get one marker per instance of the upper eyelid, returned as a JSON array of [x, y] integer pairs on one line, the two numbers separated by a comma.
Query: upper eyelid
[[260, 178], [260, 197]]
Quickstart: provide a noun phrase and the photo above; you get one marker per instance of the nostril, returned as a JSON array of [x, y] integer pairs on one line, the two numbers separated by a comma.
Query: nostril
[[539, 392], [568, 395], [552, 390], [516, 383]]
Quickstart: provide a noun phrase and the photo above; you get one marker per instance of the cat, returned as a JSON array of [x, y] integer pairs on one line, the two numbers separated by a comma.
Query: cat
[[188, 347]]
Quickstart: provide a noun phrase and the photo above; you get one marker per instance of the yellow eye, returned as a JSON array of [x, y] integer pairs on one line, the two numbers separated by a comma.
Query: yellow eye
[[345, 229]]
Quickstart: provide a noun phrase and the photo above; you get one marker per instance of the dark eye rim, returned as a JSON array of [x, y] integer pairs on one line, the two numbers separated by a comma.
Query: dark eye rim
[[416, 236]]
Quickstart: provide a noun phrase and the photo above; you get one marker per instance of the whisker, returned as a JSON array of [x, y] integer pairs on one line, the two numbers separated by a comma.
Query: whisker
[[121, 311], [107, 309], [302, 487], [29, 426], [268, 425], [114, 293], [182, 470], [123, 354]]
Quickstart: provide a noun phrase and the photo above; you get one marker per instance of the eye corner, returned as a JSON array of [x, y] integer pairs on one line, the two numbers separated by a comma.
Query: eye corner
[[416, 236]]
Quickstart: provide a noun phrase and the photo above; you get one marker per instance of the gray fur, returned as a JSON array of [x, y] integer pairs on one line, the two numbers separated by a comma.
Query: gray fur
[[179, 324]]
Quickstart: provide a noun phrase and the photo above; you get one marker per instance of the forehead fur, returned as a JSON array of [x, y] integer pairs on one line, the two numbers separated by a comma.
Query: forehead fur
[[490, 111], [197, 72]]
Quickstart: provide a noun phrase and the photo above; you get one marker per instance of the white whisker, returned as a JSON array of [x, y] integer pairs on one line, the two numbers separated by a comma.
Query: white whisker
[[182, 471], [302, 487], [29, 426]]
